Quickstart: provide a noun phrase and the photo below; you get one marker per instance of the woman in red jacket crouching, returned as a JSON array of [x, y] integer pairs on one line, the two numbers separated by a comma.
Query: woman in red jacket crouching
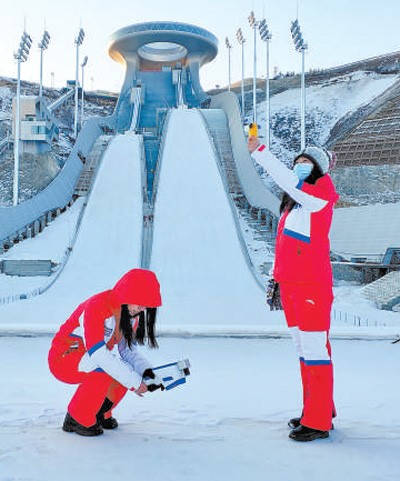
[[96, 348], [303, 270]]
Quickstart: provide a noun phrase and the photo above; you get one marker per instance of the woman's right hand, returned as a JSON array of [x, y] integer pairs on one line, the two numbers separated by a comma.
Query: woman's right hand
[[141, 389], [252, 144]]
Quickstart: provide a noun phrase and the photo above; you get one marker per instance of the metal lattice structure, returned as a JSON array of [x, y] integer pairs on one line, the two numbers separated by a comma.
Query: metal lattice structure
[[375, 141]]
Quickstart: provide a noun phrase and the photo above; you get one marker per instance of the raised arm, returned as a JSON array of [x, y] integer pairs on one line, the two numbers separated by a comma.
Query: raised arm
[[287, 180]]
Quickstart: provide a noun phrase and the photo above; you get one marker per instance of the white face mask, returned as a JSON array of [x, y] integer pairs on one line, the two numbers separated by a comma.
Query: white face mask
[[302, 170]]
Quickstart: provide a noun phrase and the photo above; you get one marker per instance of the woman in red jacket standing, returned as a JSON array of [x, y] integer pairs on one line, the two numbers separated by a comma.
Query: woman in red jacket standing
[[303, 270], [96, 348]]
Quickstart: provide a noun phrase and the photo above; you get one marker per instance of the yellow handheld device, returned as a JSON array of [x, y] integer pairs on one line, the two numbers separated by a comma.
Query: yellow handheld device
[[253, 130]]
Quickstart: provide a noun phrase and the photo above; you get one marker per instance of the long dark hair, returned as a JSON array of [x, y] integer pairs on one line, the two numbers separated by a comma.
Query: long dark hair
[[145, 329], [287, 202]]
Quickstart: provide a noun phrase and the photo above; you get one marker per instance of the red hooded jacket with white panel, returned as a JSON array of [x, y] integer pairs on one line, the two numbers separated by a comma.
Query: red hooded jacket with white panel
[[94, 322], [302, 243]]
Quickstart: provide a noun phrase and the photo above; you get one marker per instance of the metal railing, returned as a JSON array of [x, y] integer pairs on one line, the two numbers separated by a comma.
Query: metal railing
[[63, 98], [4, 143], [256, 192], [355, 320], [42, 289], [149, 206], [16, 220], [136, 109]]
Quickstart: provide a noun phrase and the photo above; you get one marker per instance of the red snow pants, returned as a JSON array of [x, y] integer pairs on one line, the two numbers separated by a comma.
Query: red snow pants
[[64, 357], [307, 310]]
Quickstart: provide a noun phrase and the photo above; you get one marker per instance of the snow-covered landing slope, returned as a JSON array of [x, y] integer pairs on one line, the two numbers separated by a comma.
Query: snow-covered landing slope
[[108, 242], [197, 254]]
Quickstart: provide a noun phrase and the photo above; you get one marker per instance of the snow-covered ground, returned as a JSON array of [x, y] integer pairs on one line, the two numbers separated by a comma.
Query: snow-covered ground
[[229, 422]]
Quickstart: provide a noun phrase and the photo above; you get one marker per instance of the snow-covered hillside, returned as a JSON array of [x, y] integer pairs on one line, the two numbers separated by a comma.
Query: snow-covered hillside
[[36, 172], [326, 104]]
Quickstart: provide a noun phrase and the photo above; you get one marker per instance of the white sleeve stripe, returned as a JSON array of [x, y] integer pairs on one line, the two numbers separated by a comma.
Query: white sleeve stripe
[[288, 181], [116, 367]]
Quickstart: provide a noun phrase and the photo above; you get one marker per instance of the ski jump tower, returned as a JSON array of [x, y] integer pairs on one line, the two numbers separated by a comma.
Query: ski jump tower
[[163, 59]]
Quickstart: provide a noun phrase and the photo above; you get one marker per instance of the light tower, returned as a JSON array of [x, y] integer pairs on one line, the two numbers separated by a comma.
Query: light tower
[[78, 43], [229, 47], [43, 45], [83, 64], [266, 37], [301, 47], [254, 24], [20, 56], [241, 40]]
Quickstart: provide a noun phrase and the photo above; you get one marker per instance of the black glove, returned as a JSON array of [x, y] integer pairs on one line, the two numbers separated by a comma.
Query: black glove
[[152, 387], [273, 295]]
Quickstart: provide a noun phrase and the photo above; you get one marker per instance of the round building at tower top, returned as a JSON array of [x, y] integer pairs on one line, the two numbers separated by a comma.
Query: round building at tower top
[[153, 45]]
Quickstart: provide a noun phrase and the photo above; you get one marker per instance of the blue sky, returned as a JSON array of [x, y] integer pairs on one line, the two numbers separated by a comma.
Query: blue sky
[[338, 31]]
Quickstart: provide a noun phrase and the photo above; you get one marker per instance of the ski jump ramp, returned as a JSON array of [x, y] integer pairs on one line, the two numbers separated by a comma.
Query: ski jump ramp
[[107, 245], [197, 254]]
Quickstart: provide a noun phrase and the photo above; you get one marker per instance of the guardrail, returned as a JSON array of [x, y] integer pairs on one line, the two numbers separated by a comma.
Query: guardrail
[[63, 98], [254, 189], [137, 102], [148, 206], [20, 221], [4, 143], [40, 290], [355, 320]]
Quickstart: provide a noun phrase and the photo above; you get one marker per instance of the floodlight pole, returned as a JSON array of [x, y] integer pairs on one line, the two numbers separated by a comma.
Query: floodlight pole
[[82, 91], [76, 91], [242, 87], [303, 101], [301, 47], [41, 73], [16, 139], [268, 101], [229, 47], [78, 43], [20, 56], [43, 45], [254, 24], [241, 40], [266, 36], [255, 76]]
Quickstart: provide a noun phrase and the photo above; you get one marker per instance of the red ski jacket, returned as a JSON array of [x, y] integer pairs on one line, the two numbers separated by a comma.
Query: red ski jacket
[[93, 321], [302, 250]]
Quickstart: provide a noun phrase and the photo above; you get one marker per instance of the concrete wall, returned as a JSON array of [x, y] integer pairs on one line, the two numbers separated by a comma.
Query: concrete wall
[[368, 184]]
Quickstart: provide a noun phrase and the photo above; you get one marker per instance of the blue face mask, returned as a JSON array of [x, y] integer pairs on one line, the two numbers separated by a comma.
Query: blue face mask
[[302, 170]]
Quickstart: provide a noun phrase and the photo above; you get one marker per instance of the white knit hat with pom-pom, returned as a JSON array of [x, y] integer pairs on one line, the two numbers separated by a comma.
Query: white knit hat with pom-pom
[[321, 156]]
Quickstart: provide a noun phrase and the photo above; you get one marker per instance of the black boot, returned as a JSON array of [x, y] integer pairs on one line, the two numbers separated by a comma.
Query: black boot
[[109, 423], [72, 426], [303, 433], [295, 422]]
